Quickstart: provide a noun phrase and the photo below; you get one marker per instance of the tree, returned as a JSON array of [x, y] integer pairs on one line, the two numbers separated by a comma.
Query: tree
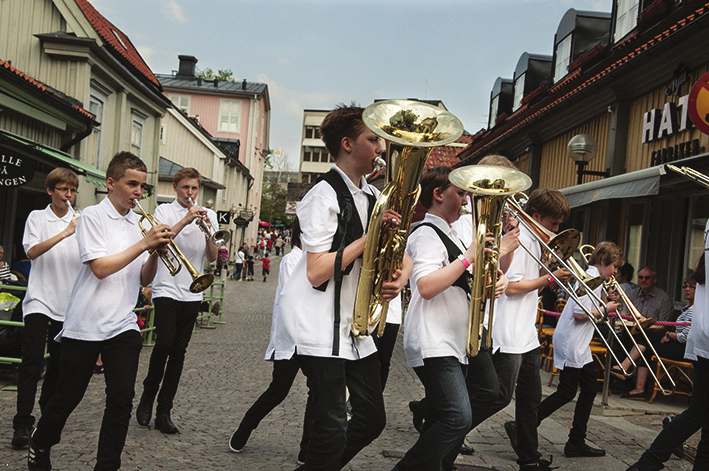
[[223, 75], [274, 190]]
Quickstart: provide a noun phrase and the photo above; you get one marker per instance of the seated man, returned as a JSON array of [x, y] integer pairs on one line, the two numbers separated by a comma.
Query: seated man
[[650, 300]]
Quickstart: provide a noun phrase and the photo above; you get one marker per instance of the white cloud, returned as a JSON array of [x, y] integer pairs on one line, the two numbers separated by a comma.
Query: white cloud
[[173, 11], [292, 103]]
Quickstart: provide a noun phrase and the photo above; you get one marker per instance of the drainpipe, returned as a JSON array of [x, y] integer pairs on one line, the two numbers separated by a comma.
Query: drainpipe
[[78, 138]]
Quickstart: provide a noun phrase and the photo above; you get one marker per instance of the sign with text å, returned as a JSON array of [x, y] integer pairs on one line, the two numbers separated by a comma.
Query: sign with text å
[[14, 170]]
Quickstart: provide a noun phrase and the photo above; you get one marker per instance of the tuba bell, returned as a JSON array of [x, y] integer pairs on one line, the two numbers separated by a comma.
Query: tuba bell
[[490, 187], [411, 130]]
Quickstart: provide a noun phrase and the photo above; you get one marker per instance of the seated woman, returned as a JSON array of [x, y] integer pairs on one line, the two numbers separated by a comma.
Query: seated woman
[[671, 346]]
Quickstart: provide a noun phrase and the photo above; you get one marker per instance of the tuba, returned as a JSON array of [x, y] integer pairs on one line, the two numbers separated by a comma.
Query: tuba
[[490, 187], [411, 130]]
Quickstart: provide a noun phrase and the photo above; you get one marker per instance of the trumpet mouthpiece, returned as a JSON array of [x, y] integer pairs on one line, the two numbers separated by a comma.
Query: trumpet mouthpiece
[[379, 163]]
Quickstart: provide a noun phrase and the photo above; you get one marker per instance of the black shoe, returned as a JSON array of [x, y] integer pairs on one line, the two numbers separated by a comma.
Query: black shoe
[[144, 411], [38, 457], [511, 429], [164, 424], [21, 437], [239, 439], [541, 465], [416, 409], [575, 451], [679, 451], [466, 450]]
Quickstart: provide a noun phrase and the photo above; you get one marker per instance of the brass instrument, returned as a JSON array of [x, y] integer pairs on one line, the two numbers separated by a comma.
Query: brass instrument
[[635, 315], [599, 305], [218, 238], [691, 174], [174, 259], [411, 130], [74, 211], [490, 186]]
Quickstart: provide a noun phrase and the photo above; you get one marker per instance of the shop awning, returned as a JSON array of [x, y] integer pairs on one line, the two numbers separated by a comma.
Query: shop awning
[[31, 148], [645, 182]]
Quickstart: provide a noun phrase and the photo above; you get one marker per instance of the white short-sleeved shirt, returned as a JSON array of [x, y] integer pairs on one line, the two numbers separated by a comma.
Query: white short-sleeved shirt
[[571, 336], [513, 324], [395, 311], [192, 242], [53, 272], [240, 257], [698, 338], [288, 263], [308, 323], [436, 327], [103, 309], [464, 226]]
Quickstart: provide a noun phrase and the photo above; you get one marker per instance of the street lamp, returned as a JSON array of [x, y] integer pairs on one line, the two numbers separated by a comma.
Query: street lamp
[[582, 149]]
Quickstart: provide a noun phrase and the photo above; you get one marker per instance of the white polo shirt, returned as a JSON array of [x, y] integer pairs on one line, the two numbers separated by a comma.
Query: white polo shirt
[[436, 327], [698, 338], [192, 242], [308, 323], [572, 337], [288, 263], [103, 309], [513, 328], [53, 272]]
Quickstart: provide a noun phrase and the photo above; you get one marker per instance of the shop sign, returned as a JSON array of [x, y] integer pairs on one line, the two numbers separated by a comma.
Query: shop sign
[[699, 104], [290, 207], [677, 152], [223, 217], [14, 170], [671, 119]]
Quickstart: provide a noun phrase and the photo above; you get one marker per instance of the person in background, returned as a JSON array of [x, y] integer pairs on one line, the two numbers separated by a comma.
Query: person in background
[[625, 276], [649, 299], [239, 264], [5, 274], [265, 266]]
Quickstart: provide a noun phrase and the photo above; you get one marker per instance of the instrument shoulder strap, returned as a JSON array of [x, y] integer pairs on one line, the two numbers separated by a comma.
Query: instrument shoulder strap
[[454, 252], [349, 229]]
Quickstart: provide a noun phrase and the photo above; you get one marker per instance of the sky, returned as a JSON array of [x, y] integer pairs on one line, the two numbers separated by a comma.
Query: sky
[[314, 54]]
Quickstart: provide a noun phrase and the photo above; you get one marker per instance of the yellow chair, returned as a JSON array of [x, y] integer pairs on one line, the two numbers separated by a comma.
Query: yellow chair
[[681, 372]]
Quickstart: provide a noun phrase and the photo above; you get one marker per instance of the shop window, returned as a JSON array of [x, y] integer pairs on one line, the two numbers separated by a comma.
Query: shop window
[[633, 243], [519, 92], [626, 18], [563, 57], [697, 223]]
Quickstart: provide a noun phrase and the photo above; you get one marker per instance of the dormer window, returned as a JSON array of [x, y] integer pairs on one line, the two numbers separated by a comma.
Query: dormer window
[[626, 18], [494, 106], [120, 41], [563, 58], [519, 92]]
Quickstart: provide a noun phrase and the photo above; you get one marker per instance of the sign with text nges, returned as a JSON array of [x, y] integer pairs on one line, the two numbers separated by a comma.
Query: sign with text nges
[[15, 169]]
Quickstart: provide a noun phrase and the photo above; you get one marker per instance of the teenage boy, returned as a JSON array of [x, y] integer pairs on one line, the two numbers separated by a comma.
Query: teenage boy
[[321, 293], [436, 331], [514, 336], [50, 244], [100, 318], [572, 354], [176, 308]]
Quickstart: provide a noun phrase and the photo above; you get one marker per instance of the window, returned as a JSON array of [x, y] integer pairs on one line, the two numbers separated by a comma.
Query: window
[[519, 92], [93, 143], [229, 113], [309, 131], [626, 18], [136, 133], [493, 111], [316, 154], [306, 154], [563, 57], [633, 244], [182, 102]]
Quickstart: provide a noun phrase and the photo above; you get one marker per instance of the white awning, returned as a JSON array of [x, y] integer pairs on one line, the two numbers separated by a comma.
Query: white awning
[[645, 182]]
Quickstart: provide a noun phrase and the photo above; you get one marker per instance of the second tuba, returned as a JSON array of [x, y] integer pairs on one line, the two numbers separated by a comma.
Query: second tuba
[[411, 130], [490, 187]]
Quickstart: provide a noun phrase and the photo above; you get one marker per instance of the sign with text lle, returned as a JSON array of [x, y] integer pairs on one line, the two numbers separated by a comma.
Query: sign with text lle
[[14, 170]]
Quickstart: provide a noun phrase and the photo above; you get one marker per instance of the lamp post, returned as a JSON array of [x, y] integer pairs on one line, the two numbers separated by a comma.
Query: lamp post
[[582, 149]]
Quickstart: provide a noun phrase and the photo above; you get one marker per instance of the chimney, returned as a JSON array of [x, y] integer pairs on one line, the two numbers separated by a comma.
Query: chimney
[[216, 83], [243, 85], [187, 68]]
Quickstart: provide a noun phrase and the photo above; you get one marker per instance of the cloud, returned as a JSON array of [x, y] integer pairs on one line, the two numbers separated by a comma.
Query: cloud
[[292, 102], [173, 11]]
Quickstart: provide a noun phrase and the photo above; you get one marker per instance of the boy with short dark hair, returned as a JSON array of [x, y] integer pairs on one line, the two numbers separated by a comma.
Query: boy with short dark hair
[[50, 244], [265, 267], [316, 328], [100, 317]]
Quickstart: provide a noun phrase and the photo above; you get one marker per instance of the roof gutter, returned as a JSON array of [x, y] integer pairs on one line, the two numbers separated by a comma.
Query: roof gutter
[[78, 138]]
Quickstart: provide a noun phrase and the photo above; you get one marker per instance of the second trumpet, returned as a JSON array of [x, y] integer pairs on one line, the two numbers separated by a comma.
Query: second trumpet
[[218, 238]]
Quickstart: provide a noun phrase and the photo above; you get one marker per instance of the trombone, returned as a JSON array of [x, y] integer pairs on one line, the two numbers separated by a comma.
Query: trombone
[[218, 238], [528, 222], [691, 174], [174, 259], [636, 315]]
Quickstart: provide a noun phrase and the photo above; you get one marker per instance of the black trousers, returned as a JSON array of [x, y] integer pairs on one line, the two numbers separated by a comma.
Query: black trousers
[[284, 373], [385, 349], [120, 356], [570, 381], [174, 322], [38, 328], [334, 440]]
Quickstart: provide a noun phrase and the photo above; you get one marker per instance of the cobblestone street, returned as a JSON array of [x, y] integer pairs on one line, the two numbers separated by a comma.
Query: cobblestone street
[[225, 372]]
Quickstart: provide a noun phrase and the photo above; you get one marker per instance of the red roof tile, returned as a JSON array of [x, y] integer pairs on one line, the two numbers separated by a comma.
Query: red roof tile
[[117, 40], [39, 85]]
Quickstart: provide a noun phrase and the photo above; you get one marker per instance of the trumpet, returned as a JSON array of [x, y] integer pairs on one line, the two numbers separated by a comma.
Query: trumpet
[[174, 259], [636, 315], [598, 304], [218, 238]]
